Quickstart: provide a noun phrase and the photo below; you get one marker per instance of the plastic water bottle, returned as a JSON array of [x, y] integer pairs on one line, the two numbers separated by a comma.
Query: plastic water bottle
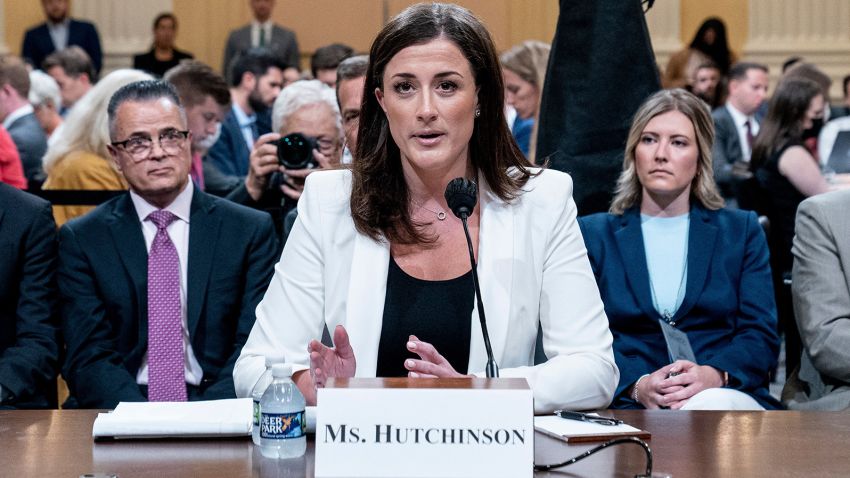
[[283, 424], [257, 393]]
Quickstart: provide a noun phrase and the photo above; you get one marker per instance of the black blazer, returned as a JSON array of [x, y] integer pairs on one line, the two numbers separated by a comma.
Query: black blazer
[[103, 284], [38, 44], [29, 353]]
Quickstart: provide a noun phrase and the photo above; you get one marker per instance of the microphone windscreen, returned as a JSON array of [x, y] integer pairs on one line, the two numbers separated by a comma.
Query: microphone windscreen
[[461, 196]]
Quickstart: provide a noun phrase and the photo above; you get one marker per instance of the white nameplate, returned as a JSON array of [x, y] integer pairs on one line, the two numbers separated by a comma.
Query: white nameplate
[[420, 428]]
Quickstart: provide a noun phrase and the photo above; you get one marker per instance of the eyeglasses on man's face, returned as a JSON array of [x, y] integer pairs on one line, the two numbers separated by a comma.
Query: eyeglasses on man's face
[[140, 148]]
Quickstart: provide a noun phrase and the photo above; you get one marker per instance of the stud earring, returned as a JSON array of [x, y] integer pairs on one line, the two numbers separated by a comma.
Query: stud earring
[[477, 112]]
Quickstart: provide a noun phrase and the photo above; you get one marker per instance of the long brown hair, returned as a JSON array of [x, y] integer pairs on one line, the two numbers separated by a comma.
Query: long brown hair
[[703, 188], [784, 121], [379, 194]]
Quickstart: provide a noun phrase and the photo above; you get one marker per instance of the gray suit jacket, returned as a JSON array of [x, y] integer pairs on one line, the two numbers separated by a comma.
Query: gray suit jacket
[[283, 45], [31, 143], [821, 289], [726, 151]]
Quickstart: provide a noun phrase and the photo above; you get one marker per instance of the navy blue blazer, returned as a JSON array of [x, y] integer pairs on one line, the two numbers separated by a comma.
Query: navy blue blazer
[[728, 313], [38, 44], [230, 154], [29, 350], [103, 295]]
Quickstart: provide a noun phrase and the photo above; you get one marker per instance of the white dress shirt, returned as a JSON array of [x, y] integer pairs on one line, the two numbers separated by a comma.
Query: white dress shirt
[[178, 231], [740, 120], [255, 33], [59, 33]]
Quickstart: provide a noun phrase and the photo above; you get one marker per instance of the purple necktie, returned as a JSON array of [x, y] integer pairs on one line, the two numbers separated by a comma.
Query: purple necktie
[[166, 376]]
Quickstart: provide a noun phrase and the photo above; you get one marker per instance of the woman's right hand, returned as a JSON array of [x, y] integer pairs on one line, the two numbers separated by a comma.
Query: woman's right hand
[[335, 361]]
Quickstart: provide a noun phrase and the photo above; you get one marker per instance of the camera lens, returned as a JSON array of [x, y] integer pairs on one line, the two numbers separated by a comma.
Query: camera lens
[[295, 151]]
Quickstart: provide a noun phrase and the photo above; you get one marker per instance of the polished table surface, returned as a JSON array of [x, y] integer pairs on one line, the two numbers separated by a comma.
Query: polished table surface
[[685, 444]]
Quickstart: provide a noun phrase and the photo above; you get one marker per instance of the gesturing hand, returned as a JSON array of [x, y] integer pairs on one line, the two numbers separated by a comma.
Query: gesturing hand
[[332, 362], [431, 364]]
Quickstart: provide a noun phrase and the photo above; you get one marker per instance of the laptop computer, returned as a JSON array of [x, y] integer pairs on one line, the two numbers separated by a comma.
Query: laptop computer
[[839, 158]]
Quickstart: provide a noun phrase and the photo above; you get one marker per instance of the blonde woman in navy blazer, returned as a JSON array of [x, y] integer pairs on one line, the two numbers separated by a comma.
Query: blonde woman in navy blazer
[[723, 300], [433, 110]]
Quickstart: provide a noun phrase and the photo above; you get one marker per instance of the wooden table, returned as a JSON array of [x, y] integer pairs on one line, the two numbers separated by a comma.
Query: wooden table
[[684, 444]]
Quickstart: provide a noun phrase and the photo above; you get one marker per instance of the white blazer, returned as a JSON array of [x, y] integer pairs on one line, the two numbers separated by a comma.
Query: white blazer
[[532, 265]]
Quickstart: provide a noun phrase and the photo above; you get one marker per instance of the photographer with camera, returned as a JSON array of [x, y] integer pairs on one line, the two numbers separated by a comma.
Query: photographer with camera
[[307, 135]]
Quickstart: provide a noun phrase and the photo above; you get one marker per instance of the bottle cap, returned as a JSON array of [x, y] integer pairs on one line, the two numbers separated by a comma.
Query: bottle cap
[[273, 359], [281, 370]]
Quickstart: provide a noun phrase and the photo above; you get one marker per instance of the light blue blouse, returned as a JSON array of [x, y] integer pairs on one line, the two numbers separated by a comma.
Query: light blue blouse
[[665, 241]]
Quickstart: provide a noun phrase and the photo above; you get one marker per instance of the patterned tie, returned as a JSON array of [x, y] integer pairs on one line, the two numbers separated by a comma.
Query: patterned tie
[[166, 369]]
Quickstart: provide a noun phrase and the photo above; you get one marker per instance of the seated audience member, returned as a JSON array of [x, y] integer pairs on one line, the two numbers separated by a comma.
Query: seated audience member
[[163, 55], [262, 32], [74, 73], [307, 107], [206, 100], [377, 255], [706, 85], [843, 109], [351, 78], [58, 33], [821, 290], [158, 286], [709, 44], [326, 59], [736, 125], [524, 69], [291, 74], [79, 157], [18, 117], [46, 101], [29, 352], [256, 79], [671, 262], [11, 171], [811, 72]]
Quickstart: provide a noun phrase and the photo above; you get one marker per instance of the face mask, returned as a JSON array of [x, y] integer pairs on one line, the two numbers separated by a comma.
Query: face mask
[[814, 131], [205, 143]]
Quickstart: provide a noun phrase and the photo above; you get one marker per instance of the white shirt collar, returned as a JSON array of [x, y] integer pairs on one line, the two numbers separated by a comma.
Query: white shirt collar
[[242, 118], [738, 117], [180, 207], [18, 113]]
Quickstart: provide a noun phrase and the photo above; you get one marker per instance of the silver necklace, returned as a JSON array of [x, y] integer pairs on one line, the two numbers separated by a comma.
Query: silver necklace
[[441, 215], [668, 314]]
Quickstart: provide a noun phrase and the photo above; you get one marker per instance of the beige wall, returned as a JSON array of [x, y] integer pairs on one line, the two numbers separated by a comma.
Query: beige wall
[[18, 17], [734, 14]]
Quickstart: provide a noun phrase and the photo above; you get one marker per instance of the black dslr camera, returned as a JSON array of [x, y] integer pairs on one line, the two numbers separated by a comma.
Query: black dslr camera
[[295, 151]]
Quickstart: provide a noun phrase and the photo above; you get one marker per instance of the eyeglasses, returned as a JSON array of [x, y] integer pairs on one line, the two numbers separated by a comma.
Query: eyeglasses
[[140, 147]]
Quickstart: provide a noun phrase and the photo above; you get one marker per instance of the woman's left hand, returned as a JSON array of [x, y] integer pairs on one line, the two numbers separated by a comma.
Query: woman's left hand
[[430, 364], [693, 377]]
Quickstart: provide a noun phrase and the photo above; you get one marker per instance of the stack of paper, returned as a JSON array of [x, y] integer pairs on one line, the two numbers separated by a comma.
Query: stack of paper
[[214, 418], [579, 431]]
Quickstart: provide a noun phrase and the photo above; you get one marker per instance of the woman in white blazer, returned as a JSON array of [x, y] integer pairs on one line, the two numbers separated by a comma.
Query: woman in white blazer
[[433, 111]]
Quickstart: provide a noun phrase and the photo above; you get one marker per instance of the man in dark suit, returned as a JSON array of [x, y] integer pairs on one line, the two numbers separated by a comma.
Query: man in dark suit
[[261, 33], [159, 285], [736, 125], [29, 353], [60, 32], [19, 119], [256, 81]]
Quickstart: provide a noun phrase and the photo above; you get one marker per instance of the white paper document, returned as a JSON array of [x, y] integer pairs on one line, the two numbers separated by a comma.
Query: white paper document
[[213, 418], [567, 429]]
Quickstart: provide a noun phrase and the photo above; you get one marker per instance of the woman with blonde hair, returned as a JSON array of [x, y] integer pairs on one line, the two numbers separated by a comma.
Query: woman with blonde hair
[[78, 159], [524, 70], [674, 267]]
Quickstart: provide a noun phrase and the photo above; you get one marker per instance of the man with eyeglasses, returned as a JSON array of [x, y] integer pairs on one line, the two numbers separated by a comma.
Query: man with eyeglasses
[[158, 286], [309, 108]]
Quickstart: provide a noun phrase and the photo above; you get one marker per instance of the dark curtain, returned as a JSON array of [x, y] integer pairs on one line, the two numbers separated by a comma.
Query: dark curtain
[[601, 67]]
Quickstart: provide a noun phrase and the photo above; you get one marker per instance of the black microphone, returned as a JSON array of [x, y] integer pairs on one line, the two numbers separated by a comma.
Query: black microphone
[[461, 196]]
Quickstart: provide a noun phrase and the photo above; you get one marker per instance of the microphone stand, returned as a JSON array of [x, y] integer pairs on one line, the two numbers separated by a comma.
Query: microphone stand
[[492, 369]]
